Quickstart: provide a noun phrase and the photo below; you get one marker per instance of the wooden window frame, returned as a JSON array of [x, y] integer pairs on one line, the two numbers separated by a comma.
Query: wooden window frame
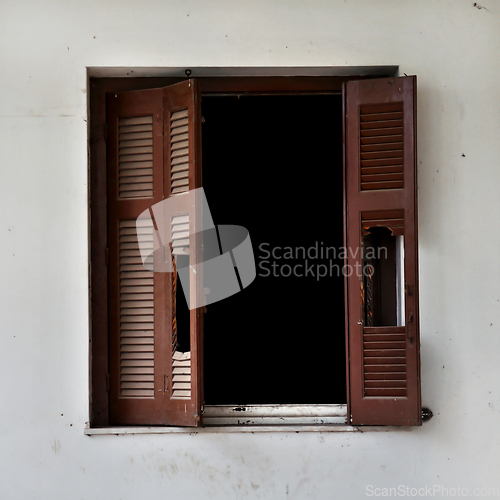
[[98, 272]]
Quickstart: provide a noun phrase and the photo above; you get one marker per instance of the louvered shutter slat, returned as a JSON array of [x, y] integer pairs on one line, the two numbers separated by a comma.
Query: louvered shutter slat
[[179, 152], [135, 155], [374, 122]]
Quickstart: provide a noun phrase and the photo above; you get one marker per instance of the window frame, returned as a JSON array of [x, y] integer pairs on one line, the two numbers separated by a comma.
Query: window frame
[[98, 286]]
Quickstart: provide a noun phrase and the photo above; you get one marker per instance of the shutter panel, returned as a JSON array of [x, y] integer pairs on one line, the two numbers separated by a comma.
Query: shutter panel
[[136, 300], [383, 333], [153, 153], [182, 151]]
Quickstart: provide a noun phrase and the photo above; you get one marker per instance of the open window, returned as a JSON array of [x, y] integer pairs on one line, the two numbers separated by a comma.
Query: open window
[[310, 330], [273, 163]]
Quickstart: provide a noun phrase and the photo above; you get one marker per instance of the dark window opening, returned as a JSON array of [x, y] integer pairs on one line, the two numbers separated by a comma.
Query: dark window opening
[[273, 164], [181, 340], [383, 278]]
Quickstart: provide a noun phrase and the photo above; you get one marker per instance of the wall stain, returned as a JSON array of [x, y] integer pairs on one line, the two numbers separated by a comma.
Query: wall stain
[[56, 446]]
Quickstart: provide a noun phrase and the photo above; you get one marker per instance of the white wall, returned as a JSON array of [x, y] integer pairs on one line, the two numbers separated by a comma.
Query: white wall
[[452, 46]]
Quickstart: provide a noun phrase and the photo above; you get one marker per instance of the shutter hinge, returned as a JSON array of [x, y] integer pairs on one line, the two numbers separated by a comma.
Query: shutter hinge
[[107, 256], [426, 414], [408, 329], [165, 383], [105, 131], [107, 382]]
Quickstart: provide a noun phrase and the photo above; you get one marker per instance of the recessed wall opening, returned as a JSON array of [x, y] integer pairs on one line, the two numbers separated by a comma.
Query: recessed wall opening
[[273, 164]]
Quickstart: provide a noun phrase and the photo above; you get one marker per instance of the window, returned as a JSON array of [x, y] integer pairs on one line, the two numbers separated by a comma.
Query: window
[[145, 342], [273, 164]]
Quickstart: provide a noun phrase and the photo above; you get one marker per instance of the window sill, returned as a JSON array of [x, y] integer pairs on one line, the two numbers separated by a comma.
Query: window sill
[[251, 429], [253, 418], [119, 431], [257, 419]]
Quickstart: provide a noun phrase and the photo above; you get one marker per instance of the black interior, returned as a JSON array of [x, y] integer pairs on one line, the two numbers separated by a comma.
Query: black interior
[[379, 247], [273, 164]]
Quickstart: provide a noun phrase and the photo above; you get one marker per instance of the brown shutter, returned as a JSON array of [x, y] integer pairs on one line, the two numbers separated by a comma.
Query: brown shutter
[[182, 116], [153, 136], [136, 298], [383, 344]]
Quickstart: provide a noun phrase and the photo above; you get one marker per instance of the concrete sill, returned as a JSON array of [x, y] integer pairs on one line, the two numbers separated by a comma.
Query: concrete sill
[[119, 431], [259, 418]]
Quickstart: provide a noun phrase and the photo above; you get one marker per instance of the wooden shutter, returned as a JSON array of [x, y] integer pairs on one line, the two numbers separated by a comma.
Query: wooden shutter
[[182, 117], [141, 152], [380, 163]]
